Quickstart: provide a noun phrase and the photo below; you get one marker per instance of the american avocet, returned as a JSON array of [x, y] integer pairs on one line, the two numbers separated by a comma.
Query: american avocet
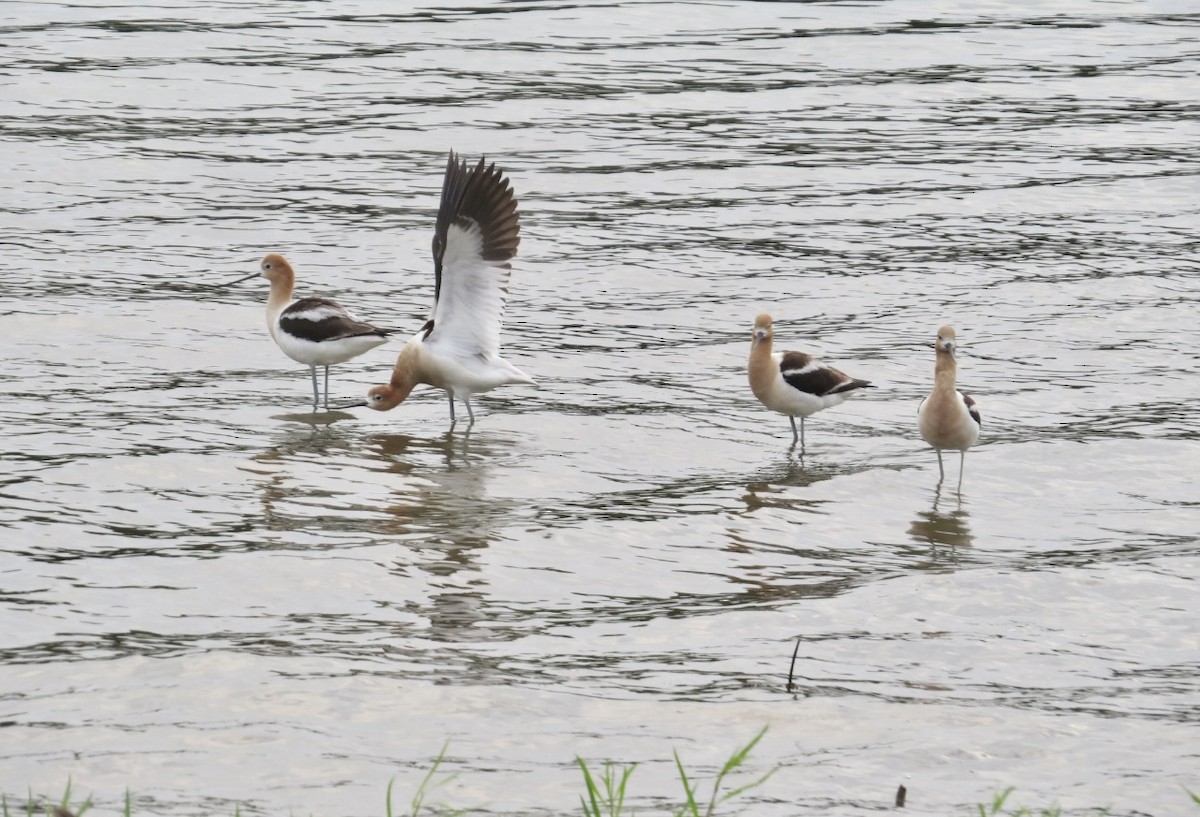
[[947, 417], [312, 331], [794, 383], [458, 348]]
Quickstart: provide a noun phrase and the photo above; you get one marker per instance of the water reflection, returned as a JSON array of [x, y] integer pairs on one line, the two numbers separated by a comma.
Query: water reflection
[[299, 486], [772, 488], [449, 520], [442, 494], [316, 419], [428, 494], [945, 525]]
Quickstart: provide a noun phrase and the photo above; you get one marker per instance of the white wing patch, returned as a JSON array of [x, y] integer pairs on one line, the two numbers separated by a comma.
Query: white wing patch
[[470, 307], [318, 313]]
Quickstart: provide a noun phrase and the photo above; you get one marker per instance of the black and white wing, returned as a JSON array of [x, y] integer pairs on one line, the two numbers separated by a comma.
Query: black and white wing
[[973, 409], [319, 319], [809, 375], [477, 234]]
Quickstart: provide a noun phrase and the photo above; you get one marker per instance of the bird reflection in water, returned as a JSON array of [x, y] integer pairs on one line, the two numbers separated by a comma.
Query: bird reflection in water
[[447, 520], [288, 488], [319, 419], [772, 488], [942, 527], [425, 495]]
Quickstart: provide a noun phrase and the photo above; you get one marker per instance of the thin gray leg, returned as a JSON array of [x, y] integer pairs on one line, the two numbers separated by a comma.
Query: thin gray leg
[[795, 434], [941, 470], [470, 413], [962, 463], [801, 433], [451, 395], [316, 392], [327, 387]]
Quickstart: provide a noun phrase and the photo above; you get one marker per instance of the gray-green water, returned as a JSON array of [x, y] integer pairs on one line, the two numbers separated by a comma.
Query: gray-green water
[[212, 599]]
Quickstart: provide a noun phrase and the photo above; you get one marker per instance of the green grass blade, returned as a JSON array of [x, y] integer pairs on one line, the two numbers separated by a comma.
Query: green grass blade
[[733, 763], [739, 757], [607, 796], [998, 801], [428, 784], [592, 791], [743, 789], [625, 775], [66, 798], [690, 806]]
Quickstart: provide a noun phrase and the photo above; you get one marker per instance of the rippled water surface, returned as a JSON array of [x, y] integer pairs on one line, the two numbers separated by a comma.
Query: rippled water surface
[[222, 601]]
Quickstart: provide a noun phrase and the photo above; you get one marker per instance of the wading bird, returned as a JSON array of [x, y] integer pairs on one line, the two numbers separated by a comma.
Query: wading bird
[[312, 331], [948, 418], [458, 348], [794, 383]]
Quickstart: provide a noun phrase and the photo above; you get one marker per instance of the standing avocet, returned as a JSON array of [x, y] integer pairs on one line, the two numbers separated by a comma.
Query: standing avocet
[[312, 331], [794, 383], [948, 418], [458, 348]]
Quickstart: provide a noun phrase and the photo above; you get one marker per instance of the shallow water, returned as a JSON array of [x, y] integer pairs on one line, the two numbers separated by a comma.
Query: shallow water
[[220, 600]]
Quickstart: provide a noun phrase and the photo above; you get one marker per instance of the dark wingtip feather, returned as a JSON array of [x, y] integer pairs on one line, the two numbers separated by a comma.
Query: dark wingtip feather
[[488, 200], [850, 385], [482, 195]]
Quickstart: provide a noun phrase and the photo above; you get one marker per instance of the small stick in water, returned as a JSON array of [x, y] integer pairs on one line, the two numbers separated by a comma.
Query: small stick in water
[[792, 668]]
